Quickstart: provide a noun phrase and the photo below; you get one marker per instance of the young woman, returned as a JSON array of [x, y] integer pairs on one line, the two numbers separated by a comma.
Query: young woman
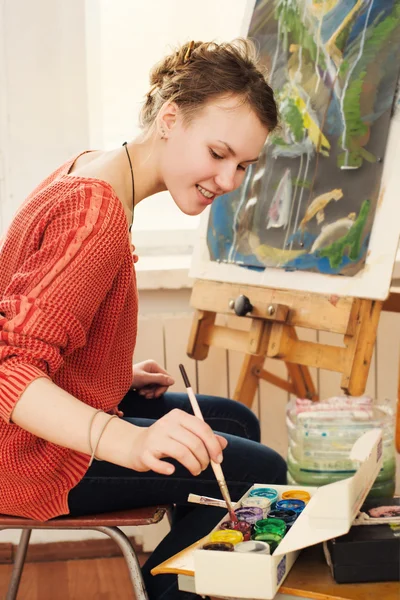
[[68, 316]]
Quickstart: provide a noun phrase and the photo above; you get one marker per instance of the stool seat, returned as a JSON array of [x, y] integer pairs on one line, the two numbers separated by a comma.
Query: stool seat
[[147, 515], [107, 523]]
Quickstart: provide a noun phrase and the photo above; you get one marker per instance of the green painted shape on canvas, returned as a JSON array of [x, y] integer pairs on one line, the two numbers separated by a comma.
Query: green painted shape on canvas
[[352, 240]]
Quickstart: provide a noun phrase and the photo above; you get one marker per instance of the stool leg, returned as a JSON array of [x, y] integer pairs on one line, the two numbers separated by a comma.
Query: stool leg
[[131, 559], [19, 562]]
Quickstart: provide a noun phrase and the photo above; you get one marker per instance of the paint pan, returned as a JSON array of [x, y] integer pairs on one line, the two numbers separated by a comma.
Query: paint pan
[[253, 547], [221, 546], [296, 505], [227, 535], [272, 539], [242, 526], [275, 526], [288, 516], [249, 514], [269, 493], [296, 495], [259, 502]]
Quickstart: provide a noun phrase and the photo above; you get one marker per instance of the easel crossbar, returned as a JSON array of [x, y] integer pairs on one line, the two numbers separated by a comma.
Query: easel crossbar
[[313, 354], [312, 311]]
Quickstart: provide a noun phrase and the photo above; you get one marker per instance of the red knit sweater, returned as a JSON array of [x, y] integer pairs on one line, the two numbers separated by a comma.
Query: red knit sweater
[[68, 311]]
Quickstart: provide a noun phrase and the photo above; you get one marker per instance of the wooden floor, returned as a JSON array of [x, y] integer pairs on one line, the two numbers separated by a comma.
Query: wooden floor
[[95, 579], [107, 579]]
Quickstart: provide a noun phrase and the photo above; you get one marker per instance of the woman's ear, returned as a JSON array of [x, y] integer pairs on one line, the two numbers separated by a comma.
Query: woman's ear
[[167, 119]]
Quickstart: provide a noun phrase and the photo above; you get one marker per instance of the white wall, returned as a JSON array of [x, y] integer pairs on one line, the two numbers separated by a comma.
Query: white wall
[[43, 94]]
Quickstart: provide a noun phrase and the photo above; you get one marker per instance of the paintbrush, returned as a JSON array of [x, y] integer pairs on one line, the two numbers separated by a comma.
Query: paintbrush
[[215, 466], [208, 501]]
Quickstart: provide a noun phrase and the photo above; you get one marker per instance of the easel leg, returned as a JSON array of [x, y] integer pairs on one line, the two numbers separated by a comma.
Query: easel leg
[[247, 383], [300, 377], [302, 381], [202, 321], [363, 326]]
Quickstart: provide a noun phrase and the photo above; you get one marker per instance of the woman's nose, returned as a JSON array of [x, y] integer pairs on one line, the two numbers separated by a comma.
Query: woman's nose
[[226, 180]]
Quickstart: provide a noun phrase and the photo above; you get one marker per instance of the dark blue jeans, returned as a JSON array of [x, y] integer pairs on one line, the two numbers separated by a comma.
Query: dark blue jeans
[[108, 487]]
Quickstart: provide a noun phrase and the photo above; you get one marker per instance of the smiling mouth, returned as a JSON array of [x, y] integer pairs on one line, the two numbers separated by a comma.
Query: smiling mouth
[[208, 195]]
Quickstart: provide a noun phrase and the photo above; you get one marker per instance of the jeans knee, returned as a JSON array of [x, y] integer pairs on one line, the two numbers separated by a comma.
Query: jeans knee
[[251, 422], [246, 418], [280, 470]]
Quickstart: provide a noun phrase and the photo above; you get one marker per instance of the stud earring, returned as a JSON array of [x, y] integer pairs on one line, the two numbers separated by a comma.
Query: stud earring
[[162, 134]]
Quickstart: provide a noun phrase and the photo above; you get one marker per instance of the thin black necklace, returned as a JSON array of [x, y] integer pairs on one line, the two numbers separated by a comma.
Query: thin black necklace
[[133, 184]]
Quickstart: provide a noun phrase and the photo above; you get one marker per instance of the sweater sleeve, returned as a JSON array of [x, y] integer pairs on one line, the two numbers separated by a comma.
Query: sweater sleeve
[[47, 309]]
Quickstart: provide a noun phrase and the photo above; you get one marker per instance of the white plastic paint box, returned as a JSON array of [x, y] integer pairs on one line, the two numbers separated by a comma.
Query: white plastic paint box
[[329, 513]]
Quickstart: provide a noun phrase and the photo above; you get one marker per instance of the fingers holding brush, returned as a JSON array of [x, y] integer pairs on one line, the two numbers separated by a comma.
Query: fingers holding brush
[[213, 443], [179, 436]]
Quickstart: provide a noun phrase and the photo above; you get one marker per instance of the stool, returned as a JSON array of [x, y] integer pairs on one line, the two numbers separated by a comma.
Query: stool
[[107, 523]]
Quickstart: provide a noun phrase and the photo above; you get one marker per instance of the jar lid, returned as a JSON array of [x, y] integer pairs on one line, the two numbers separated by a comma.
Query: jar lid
[[259, 501], [241, 526], [250, 514], [272, 525], [289, 516], [297, 495], [293, 504], [222, 546], [268, 536], [266, 492], [253, 546], [227, 535]]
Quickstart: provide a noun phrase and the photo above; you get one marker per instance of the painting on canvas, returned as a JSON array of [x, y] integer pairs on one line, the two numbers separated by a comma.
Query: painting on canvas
[[309, 205]]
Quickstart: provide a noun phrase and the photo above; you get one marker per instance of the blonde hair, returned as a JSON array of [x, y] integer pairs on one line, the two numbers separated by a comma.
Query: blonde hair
[[198, 71]]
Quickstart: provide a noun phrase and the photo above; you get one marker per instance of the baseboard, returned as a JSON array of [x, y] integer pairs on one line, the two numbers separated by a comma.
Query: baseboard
[[6, 553], [80, 549]]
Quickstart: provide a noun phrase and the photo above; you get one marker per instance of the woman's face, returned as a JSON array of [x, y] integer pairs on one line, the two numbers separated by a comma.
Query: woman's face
[[209, 156]]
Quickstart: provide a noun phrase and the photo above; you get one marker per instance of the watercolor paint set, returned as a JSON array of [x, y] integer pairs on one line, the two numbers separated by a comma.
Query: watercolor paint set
[[251, 557]]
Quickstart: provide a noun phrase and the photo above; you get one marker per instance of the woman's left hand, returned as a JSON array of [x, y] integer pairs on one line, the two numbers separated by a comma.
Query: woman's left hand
[[150, 380]]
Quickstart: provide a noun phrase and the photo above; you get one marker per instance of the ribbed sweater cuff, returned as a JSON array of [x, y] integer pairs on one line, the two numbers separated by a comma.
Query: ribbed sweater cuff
[[13, 382]]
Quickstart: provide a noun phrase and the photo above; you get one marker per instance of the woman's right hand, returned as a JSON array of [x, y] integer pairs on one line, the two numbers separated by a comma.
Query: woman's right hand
[[180, 436]]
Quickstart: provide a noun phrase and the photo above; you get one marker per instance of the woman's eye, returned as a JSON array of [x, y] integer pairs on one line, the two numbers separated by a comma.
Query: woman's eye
[[215, 155], [218, 157]]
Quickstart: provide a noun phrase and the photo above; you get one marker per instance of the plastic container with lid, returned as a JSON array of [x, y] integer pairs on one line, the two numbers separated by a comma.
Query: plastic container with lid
[[321, 435]]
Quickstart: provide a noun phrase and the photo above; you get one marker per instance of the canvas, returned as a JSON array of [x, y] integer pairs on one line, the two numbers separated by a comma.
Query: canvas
[[310, 204]]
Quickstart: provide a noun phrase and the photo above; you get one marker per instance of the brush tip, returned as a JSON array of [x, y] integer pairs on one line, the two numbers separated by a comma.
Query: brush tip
[[184, 375]]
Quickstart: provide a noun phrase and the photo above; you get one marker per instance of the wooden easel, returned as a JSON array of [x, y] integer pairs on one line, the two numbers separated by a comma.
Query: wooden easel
[[273, 318]]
